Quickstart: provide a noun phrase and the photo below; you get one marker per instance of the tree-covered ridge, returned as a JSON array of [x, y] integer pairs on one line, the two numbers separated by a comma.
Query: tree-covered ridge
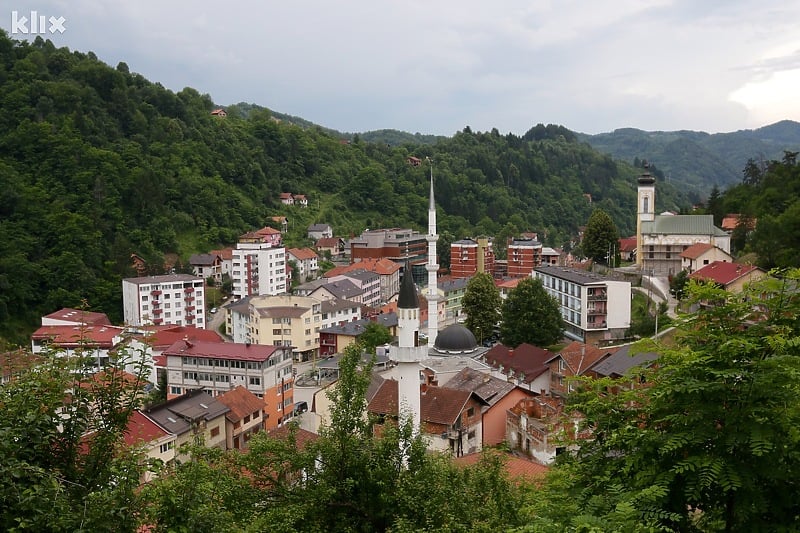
[[697, 159], [98, 163]]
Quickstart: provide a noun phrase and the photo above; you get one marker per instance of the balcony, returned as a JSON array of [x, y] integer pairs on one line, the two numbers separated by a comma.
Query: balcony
[[158, 321], [188, 298], [188, 290], [157, 311], [596, 296], [155, 292], [190, 309]]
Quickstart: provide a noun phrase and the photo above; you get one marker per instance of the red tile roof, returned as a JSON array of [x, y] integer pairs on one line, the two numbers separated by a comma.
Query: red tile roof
[[79, 316], [141, 429], [302, 253], [222, 350], [302, 436], [161, 337], [508, 283], [226, 253], [580, 357], [723, 273], [438, 405], [286, 196], [14, 362], [525, 359], [241, 402], [383, 267], [517, 468], [696, 250], [74, 336], [327, 242], [627, 244]]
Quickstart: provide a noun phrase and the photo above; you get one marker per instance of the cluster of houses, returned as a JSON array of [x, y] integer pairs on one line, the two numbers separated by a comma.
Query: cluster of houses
[[471, 395]]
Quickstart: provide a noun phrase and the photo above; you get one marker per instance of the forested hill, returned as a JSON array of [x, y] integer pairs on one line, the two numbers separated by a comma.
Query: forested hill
[[699, 160], [98, 163]]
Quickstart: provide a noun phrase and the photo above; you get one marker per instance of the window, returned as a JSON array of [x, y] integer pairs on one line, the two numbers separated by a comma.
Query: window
[[175, 390], [247, 419], [471, 434], [470, 412], [255, 381], [166, 446], [215, 431], [256, 414], [276, 331]]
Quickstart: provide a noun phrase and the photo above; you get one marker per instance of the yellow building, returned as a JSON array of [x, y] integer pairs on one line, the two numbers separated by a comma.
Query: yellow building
[[287, 320]]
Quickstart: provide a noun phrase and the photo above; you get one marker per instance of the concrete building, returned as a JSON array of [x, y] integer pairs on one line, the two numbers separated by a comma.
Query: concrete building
[[307, 262], [244, 419], [470, 256], [216, 368], [368, 282], [207, 266], [178, 299], [595, 309], [259, 266], [524, 254], [403, 246], [290, 321], [388, 270], [701, 254]]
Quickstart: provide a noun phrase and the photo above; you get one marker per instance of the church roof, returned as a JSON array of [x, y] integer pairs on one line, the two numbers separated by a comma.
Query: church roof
[[682, 225]]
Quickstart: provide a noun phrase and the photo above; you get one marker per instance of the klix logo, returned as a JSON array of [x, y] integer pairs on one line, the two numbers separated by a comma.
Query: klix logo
[[36, 24]]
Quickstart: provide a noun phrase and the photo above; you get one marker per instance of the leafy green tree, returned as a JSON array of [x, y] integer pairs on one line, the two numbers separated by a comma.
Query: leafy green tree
[[374, 335], [678, 283], [481, 303], [600, 238], [530, 315], [710, 444]]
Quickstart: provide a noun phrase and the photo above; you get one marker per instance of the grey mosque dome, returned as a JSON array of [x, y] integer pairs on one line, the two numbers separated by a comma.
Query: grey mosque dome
[[455, 339]]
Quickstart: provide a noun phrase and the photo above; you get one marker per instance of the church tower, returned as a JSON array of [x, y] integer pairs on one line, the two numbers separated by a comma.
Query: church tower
[[645, 212], [409, 353], [432, 267]]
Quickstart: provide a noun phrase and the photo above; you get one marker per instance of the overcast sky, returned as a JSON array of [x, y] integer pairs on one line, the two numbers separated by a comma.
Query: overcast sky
[[436, 66]]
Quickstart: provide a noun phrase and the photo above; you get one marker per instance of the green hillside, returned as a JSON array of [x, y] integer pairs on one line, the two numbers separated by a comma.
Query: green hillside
[[98, 163], [700, 160]]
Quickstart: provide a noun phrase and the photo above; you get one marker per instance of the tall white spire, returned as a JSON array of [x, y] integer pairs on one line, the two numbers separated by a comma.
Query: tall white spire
[[408, 353], [432, 267]]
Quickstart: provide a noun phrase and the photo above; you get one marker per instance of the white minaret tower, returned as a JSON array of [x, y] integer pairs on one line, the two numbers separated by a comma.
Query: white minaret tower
[[409, 354], [645, 212], [432, 267]]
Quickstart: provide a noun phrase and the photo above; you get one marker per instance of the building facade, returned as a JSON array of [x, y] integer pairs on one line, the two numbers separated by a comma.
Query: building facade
[[258, 269], [177, 299], [595, 309], [266, 371], [524, 254], [403, 246], [468, 257], [289, 321]]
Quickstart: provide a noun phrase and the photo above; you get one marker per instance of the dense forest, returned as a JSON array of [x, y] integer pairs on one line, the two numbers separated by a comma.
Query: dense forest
[[98, 163]]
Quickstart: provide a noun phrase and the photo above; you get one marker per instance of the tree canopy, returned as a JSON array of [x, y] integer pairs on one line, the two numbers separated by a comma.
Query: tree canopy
[[600, 238], [481, 303], [530, 315]]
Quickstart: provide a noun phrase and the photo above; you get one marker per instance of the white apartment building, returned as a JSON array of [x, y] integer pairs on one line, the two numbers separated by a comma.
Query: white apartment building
[[595, 309], [368, 282], [218, 367], [259, 268], [177, 299]]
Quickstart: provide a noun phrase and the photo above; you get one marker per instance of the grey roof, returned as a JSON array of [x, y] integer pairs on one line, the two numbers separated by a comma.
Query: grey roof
[[202, 259], [319, 227], [357, 327], [490, 389], [466, 242], [282, 311], [241, 306], [451, 285], [519, 241], [332, 363], [177, 415], [344, 289], [682, 225], [361, 274], [337, 304], [407, 299], [620, 362], [575, 275]]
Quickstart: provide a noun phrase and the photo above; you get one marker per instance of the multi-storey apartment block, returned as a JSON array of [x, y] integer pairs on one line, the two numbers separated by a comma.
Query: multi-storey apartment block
[[595, 309], [259, 266], [266, 371], [289, 321], [399, 245], [468, 257], [177, 299], [524, 254]]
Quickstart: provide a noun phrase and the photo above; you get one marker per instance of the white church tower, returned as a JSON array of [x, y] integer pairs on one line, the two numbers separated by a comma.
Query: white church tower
[[646, 210], [409, 353], [432, 267]]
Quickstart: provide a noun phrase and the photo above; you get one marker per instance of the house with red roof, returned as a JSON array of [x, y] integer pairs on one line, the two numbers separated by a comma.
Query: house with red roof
[[451, 417], [155, 443], [518, 469], [505, 286], [245, 418], [219, 113], [301, 200], [75, 317], [701, 254], [217, 367], [307, 262], [733, 220], [527, 366], [627, 248], [94, 342], [388, 270], [334, 245], [730, 276], [536, 428], [575, 359], [15, 363], [286, 198]]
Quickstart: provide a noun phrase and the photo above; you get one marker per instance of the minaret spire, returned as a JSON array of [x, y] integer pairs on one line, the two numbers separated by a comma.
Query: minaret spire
[[408, 354], [433, 268]]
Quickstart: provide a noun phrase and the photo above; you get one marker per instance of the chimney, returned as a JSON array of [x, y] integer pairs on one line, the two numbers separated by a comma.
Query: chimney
[[423, 388], [511, 352]]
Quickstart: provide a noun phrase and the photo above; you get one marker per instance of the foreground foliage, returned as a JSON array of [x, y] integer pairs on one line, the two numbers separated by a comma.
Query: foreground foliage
[[705, 441]]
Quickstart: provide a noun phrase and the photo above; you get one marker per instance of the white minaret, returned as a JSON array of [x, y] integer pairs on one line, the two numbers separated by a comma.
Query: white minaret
[[432, 267], [409, 353], [645, 212]]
